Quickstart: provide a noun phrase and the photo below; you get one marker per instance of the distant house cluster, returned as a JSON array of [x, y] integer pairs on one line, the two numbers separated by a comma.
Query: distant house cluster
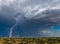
[[29, 40]]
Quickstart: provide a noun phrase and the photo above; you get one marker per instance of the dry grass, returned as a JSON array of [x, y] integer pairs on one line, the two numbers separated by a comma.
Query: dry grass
[[30, 40]]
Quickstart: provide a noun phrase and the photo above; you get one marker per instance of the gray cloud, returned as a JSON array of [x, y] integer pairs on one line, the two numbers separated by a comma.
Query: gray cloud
[[35, 14]]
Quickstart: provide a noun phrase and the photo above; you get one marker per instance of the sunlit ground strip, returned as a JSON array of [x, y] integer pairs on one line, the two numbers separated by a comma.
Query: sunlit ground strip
[[22, 40]]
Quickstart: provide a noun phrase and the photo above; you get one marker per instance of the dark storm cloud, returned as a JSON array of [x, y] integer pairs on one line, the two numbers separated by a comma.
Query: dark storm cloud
[[52, 15], [35, 16]]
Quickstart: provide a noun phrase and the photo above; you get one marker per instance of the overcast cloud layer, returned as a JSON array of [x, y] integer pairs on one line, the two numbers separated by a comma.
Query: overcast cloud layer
[[33, 17]]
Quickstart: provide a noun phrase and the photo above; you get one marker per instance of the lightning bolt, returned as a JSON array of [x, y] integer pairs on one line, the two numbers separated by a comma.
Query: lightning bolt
[[11, 29], [10, 35]]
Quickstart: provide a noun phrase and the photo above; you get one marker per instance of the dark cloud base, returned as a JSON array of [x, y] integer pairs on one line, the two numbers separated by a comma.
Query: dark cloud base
[[28, 25]]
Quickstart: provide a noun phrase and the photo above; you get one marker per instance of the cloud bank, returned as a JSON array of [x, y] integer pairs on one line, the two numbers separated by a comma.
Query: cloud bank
[[34, 16]]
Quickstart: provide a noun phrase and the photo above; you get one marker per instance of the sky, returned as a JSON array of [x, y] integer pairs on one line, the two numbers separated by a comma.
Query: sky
[[29, 18]]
